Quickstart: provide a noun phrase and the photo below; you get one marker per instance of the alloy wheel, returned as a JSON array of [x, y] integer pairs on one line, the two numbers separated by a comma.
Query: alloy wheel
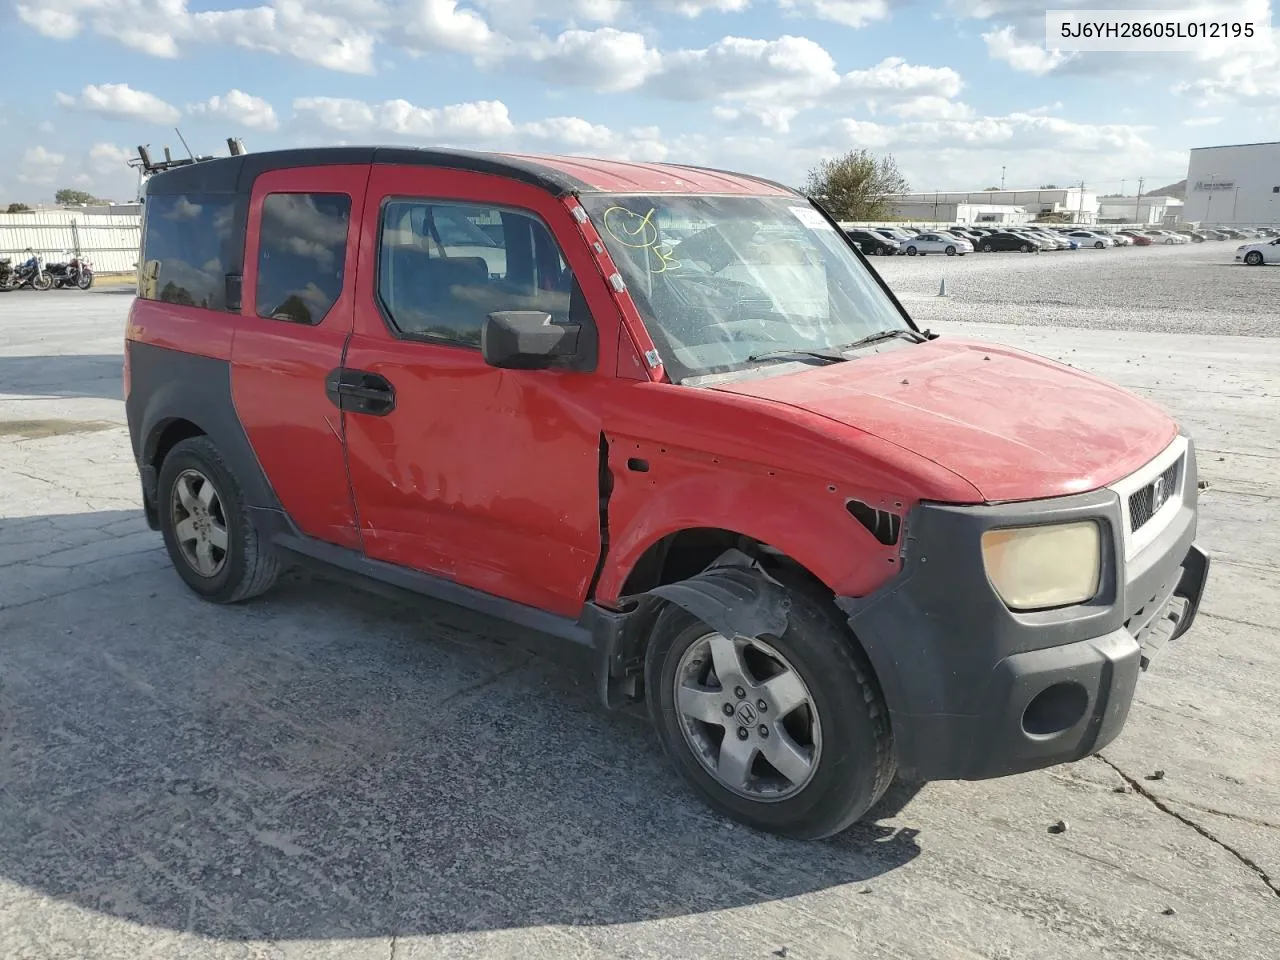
[[747, 716], [199, 523]]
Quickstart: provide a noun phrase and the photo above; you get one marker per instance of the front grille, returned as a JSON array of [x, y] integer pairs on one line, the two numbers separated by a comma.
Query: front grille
[[1143, 505]]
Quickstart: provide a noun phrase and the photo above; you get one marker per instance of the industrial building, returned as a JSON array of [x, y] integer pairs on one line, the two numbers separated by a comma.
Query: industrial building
[[1237, 185], [932, 211], [1080, 206], [1145, 210]]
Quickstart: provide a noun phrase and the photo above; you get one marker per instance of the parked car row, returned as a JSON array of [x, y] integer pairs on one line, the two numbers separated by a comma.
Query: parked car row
[[959, 240], [1028, 238]]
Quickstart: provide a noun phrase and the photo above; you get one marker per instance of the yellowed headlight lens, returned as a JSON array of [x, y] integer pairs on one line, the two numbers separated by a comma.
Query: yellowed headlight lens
[[1033, 568]]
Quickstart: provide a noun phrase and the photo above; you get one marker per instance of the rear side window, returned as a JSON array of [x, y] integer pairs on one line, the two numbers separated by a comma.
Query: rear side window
[[443, 267], [185, 249], [302, 252]]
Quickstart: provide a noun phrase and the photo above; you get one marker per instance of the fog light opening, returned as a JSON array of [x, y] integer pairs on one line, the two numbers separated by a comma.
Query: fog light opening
[[1055, 709]]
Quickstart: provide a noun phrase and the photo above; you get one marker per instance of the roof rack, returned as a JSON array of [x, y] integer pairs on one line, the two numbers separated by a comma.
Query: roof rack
[[147, 166]]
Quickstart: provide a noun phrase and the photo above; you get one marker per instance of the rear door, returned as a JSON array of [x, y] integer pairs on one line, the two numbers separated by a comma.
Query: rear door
[[487, 477], [298, 304]]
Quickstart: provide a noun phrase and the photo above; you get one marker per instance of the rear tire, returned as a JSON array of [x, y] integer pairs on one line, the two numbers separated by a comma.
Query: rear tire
[[210, 536], [850, 759]]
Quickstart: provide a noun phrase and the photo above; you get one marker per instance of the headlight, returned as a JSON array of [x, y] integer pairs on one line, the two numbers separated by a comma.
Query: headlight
[[1033, 568]]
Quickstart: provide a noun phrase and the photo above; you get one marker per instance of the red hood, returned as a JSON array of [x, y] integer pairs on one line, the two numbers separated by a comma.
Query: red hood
[[1014, 425]]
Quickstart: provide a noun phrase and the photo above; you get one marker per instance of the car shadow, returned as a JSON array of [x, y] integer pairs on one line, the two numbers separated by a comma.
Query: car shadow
[[64, 375], [333, 762]]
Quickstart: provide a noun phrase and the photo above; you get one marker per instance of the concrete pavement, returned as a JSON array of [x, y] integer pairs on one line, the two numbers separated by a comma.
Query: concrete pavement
[[328, 772]]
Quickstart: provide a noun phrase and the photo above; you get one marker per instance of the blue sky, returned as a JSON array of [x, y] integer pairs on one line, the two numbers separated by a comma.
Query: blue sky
[[954, 89]]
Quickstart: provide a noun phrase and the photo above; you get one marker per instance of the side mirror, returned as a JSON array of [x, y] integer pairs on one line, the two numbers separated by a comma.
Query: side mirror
[[527, 340]]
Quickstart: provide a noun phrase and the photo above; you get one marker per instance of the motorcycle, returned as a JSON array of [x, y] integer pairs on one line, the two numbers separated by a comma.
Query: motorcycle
[[72, 272], [31, 271]]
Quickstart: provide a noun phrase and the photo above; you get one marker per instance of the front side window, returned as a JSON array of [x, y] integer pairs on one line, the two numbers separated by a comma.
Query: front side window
[[185, 249], [302, 252], [444, 267]]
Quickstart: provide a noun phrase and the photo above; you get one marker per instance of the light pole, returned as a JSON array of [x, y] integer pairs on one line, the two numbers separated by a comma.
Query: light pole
[[1208, 207], [1234, 200]]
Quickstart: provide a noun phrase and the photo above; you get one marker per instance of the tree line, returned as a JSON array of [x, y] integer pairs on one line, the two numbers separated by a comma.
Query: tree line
[[65, 196]]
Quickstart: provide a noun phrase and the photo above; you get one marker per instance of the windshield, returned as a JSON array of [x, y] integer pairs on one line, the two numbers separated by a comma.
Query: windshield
[[719, 280]]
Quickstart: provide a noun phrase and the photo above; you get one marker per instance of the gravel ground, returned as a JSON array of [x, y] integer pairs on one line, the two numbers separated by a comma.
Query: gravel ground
[[328, 773], [1183, 289]]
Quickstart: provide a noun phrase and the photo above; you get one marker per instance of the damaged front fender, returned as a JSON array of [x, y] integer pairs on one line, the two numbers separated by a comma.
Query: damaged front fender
[[734, 596]]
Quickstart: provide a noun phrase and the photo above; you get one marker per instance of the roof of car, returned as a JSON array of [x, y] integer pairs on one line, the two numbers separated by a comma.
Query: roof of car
[[560, 175]]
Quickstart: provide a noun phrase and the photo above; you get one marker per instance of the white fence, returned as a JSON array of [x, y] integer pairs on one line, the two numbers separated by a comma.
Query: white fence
[[108, 241]]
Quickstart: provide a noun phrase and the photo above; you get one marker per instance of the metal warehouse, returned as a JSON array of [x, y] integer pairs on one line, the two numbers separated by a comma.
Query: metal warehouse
[[1234, 185], [1080, 206]]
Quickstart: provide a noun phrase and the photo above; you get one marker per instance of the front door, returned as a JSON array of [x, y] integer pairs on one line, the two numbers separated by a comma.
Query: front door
[[298, 305], [487, 477]]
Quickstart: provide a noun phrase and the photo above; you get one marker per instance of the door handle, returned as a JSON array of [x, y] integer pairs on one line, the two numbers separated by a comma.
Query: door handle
[[358, 391]]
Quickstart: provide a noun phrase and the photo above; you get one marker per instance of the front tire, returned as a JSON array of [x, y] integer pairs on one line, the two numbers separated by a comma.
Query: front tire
[[210, 536], [42, 281], [1253, 258], [986, 248], [85, 281], [812, 760], [911, 251], [951, 251]]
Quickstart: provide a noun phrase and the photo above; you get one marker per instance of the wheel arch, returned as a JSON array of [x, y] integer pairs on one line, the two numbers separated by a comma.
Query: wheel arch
[[175, 395], [709, 572]]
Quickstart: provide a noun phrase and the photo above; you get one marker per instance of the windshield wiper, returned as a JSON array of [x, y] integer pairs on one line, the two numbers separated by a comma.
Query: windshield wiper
[[826, 356], [912, 335]]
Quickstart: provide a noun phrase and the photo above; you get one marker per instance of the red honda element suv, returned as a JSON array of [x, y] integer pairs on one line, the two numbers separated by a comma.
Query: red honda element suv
[[672, 414]]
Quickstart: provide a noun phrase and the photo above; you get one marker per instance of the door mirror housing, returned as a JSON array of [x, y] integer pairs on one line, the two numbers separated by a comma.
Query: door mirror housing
[[527, 340]]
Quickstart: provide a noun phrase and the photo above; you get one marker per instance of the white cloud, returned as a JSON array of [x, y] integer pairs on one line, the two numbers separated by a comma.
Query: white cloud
[[893, 78], [289, 28], [777, 118], [45, 126], [442, 25], [50, 21], [485, 123], [574, 135], [851, 13], [155, 42], [39, 167], [121, 101], [1251, 78], [932, 108], [238, 107], [476, 122], [1032, 58], [162, 28], [739, 68], [1201, 121], [694, 8], [519, 14], [109, 156], [604, 59]]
